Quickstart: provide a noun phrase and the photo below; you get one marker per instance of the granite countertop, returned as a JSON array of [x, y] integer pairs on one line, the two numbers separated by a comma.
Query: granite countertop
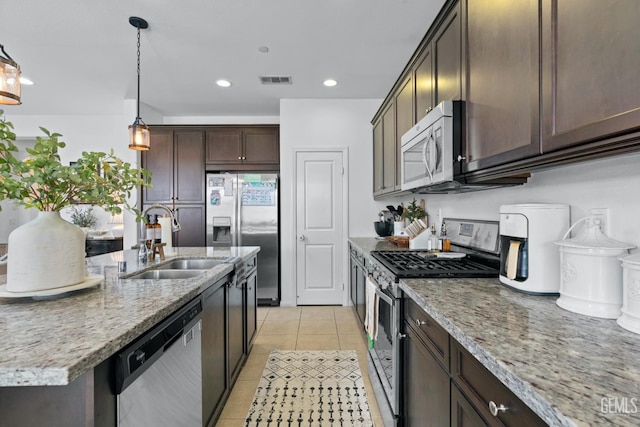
[[569, 368], [54, 340]]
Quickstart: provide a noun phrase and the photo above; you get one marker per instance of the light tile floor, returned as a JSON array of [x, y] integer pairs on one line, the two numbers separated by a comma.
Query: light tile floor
[[297, 328]]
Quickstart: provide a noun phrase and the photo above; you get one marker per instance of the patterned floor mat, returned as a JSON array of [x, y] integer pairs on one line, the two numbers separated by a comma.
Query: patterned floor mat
[[310, 388]]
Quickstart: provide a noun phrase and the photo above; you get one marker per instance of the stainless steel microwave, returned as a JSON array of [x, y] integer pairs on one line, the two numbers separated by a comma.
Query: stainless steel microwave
[[428, 148]]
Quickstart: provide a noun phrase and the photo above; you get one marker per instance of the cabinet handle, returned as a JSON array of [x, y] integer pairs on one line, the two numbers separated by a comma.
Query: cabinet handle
[[420, 322], [239, 158], [494, 409], [244, 158], [461, 158], [400, 335]]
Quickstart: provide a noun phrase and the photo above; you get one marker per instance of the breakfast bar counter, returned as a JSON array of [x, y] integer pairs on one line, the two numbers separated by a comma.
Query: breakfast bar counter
[[49, 341], [568, 368]]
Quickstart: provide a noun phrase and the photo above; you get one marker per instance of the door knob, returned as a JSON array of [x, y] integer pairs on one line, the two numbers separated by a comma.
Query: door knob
[[301, 237]]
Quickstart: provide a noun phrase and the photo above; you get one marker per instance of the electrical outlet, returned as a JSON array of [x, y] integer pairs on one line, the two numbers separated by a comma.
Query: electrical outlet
[[603, 214]]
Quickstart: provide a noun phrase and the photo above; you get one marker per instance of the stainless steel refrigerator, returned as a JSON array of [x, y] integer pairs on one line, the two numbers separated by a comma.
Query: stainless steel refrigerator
[[243, 210]]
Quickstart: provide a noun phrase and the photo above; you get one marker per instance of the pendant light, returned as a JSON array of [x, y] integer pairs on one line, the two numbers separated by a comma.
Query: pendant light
[[139, 137], [9, 79]]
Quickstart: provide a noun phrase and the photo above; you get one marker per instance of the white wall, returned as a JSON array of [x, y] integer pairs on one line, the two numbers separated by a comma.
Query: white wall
[[613, 183], [88, 133], [324, 123]]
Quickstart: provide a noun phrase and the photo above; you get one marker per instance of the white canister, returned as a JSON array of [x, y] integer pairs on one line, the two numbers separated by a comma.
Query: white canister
[[590, 272], [398, 228], [630, 318]]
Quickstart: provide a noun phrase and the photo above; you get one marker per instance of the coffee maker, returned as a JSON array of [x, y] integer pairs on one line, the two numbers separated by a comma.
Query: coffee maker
[[529, 260]]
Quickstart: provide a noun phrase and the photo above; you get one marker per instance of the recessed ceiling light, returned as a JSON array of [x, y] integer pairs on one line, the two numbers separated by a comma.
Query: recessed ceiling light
[[223, 83], [25, 81], [263, 49], [330, 83]]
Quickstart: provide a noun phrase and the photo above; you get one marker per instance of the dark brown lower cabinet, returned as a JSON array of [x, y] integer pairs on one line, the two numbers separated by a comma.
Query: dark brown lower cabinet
[[235, 330], [425, 385], [215, 387], [483, 390], [462, 413], [443, 384]]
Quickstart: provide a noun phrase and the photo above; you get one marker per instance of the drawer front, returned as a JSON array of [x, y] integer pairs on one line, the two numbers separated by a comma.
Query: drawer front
[[430, 332], [251, 263], [481, 388]]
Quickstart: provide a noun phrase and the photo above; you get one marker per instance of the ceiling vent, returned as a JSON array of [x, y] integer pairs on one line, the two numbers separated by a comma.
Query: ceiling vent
[[275, 80]]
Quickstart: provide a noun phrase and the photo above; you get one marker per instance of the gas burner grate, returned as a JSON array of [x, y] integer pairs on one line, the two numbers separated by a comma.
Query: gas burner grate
[[417, 264]]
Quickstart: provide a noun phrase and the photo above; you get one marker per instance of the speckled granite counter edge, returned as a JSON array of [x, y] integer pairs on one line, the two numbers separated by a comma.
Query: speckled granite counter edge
[[520, 388], [65, 374]]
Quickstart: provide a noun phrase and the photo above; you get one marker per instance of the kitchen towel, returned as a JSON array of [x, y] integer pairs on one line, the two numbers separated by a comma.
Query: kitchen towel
[[371, 315], [165, 223], [512, 259]]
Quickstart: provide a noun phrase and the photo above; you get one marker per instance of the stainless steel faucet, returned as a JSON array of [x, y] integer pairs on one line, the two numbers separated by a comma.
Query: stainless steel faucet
[[175, 226]]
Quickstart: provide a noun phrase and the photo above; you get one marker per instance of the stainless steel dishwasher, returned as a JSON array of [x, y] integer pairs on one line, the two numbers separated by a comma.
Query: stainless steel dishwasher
[[159, 376]]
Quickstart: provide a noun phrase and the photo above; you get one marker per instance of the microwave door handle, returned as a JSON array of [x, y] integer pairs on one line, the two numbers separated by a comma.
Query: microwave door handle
[[424, 154]]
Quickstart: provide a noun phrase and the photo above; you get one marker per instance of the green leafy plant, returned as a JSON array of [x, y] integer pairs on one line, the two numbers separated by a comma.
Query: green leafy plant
[[41, 181], [414, 211], [83, 217]]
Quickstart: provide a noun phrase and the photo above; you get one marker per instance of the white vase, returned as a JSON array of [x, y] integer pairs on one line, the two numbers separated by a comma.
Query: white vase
[[45, 253]]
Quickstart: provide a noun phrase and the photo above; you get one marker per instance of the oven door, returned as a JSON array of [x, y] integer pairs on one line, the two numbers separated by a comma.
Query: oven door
[[427, 155], [385, 353]]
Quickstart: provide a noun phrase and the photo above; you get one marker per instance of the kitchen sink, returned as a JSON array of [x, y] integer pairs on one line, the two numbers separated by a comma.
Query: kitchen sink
[[166, 274], [191, 264]]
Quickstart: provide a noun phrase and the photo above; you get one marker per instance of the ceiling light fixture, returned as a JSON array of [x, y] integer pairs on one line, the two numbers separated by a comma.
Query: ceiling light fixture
[[139, 137], [330, 83], [223, 83], [263, 49], [9, 79]]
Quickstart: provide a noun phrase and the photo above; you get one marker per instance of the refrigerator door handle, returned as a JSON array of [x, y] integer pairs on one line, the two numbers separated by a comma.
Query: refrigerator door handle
[[237, 234]]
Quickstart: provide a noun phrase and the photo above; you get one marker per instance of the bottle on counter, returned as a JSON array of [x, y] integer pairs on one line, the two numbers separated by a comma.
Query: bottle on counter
[[157, 230], [432, 243], [149, 232], [446, 243]]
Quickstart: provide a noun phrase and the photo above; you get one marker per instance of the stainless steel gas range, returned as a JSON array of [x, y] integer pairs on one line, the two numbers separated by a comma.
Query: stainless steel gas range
[[474, 253]]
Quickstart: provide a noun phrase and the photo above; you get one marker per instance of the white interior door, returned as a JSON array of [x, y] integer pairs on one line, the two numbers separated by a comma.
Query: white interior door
[[319, 227]]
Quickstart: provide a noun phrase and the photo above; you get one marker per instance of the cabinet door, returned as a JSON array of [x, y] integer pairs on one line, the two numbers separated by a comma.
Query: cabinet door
[[261, 146], [502, 81], [224, 145], [590, 70], [481, 387], [378, 158], [447, 66], [159, 160], [462, 412], [404, 121], [189, 167], [389, 149], [360, 293], [214, 374], [423, 77], [192, 222], [425, 385], [251, 303], [235, 327]]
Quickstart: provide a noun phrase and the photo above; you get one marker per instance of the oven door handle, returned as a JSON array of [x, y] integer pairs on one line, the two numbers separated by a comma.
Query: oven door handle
[[384, 297]]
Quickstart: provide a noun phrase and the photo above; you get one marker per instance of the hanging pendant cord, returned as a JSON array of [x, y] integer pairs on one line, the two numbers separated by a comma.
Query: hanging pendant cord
[[138, 70]]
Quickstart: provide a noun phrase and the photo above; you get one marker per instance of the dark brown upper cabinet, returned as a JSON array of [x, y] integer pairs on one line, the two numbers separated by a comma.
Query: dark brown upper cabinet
[[378, 158], [423, 78], [404, 101], [447, 58], [176, 161], [243, 148], [590, 63], [502, 75]]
